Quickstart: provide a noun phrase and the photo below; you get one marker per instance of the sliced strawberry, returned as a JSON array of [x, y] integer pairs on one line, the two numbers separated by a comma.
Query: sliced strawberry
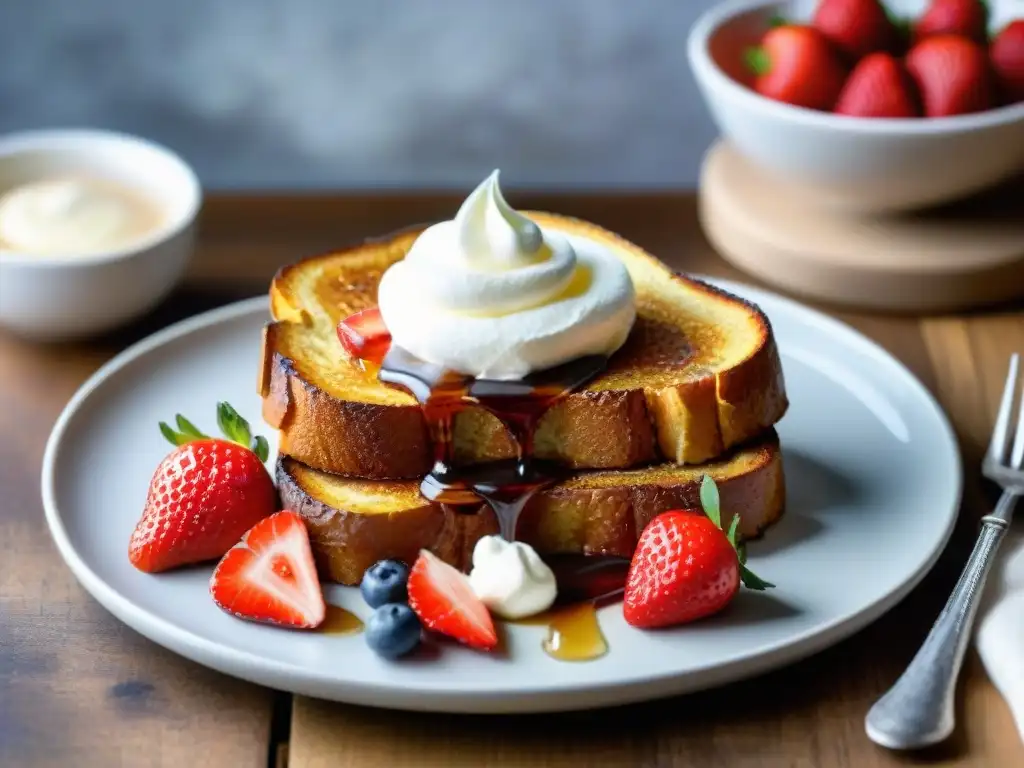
[[364, 335], [269, 575], [443, 599]]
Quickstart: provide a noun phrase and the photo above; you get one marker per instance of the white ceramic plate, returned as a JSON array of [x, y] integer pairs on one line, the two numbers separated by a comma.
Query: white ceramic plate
[[873, 477]]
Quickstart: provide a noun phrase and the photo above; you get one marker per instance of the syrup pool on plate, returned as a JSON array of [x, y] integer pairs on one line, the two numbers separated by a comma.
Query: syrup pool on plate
[[585, 583], [573, 632], [340, 621]]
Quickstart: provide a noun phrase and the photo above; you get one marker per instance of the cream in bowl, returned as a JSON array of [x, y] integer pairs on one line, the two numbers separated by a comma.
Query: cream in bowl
[[77, 213], [96, 228]]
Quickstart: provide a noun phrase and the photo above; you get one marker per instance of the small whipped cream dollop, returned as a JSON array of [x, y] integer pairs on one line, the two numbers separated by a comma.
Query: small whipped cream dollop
[[491, 295], [73, 215], [510, 578]]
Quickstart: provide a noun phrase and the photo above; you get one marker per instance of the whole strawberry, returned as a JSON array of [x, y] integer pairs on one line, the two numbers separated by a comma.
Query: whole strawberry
[[797, 65], [968, 18], [879, 86], [203, 496], [856, 27], [685, 566], [1007, 56], [953, 75]]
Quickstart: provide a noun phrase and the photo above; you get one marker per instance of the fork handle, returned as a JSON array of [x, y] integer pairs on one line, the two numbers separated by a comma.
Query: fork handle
[[918, 710]]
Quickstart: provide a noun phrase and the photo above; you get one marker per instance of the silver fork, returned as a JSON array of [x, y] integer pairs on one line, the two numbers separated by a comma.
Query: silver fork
[[918, 710]]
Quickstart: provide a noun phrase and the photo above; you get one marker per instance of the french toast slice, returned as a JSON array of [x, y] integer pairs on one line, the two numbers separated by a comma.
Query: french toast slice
[[699, 373], [354, 523]]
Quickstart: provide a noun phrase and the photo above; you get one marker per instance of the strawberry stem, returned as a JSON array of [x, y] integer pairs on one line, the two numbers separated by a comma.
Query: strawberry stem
[[757, 60], [710, 500]]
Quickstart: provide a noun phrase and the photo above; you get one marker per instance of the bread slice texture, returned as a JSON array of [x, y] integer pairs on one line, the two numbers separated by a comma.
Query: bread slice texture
[[354, 523], [699, 373]]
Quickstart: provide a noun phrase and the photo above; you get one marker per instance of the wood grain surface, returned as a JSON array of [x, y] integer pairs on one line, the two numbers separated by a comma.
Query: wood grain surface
[[79, 689]]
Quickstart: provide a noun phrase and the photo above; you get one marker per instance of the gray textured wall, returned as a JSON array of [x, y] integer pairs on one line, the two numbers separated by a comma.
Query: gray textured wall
[[313, 93]]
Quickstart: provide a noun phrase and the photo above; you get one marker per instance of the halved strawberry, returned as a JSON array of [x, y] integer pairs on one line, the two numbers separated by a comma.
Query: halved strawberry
[[269, 575], [443, 599], [364, 335]]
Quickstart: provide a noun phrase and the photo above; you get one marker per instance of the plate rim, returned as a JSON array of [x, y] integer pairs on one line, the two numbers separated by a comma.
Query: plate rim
[[274, 673]]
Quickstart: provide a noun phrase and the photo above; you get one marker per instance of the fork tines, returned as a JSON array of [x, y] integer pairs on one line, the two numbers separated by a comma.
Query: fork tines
[[1003, 432]]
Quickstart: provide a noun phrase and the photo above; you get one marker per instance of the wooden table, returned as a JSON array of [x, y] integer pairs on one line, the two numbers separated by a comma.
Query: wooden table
[[77, 688]]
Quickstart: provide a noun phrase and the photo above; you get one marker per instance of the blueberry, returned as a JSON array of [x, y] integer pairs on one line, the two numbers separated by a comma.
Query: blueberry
[[393, 630], [385, 582]]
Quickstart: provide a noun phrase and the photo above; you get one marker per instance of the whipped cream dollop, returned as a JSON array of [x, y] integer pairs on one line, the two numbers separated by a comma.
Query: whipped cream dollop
[[510, 578], [73, 215], [490, 294]]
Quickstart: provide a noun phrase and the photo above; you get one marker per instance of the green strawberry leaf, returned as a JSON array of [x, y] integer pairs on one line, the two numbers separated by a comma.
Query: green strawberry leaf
[[175, 438], [710, 501], [261, 448], [752, 581], [731, 535], [234, 427], [186, 427], [757, 60], [777, 20]]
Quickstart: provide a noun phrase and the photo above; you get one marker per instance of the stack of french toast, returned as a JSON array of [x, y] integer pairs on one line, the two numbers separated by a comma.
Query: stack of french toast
[[695, 390]]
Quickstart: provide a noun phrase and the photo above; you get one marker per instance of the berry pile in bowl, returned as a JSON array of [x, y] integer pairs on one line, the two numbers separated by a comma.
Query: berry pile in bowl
[[878, 106]]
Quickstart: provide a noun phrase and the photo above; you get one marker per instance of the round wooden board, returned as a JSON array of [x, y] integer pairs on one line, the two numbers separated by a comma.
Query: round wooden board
[[946, 259]]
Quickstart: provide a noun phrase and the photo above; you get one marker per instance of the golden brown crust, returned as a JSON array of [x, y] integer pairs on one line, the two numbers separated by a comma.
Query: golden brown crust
[[591, 513], [352, 438], [625, 426], [345, 544]]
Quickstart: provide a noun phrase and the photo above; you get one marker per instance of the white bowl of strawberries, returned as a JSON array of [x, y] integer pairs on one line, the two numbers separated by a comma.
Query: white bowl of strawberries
[[877, 106]]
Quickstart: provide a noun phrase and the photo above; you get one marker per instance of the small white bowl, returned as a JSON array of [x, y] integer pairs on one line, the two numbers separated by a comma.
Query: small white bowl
[[857, 163], [54, 298]]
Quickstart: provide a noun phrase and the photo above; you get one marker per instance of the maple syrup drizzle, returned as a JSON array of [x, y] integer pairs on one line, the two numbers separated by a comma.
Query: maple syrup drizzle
[[584, 582], [339, 621], [505, 485]]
